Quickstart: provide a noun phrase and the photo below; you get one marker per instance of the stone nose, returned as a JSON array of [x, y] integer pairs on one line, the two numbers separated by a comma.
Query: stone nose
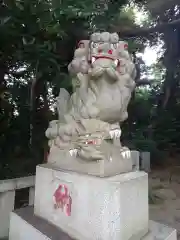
[[105, 47]]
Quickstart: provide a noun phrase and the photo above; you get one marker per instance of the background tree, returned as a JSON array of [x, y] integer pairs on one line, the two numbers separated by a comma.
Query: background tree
[[158, 104], [37, 43]]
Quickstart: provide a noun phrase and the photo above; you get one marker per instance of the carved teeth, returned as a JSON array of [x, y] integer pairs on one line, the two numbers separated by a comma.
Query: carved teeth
[[126, 154], [93, 59], [73, 152], [115, 134], [116, 62], [111, 133]]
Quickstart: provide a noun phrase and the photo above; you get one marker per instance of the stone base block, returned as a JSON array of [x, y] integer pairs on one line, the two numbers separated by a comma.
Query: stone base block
[[24, 225], [88, 207]]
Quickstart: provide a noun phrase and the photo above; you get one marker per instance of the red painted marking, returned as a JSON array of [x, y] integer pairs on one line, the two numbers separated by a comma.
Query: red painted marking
[[105, 57], [62, 199], [110, 51], [93, 142], [126, 46]]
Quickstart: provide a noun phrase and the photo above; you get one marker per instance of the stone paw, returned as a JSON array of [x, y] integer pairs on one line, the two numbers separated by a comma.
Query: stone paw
[[73, 152], [115, 134], [126, 153]]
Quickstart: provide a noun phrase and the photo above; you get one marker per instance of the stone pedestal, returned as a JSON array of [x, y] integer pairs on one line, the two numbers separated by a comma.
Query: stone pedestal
[[145, 161], [71, 206], [24, 225], [102, 208]]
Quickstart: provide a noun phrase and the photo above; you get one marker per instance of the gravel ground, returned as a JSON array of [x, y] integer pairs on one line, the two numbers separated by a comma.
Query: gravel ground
[[166, 209]]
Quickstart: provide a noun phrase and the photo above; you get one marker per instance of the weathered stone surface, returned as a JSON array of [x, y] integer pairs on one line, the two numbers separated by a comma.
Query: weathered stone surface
[[6, 206], [102, 168], [38, 229], [146, 161], [88, 127], [101, 208], [135, 155]]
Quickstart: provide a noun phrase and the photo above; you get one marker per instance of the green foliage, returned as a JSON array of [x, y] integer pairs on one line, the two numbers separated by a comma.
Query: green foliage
[[149, 127], [37, 42]]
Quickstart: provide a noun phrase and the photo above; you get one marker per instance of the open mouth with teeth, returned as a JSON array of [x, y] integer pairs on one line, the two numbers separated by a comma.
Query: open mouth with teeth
[[94, 58]]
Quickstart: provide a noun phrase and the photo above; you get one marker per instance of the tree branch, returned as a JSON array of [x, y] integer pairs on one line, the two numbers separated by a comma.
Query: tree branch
[[155, 6], [137, 32], [144, 82]]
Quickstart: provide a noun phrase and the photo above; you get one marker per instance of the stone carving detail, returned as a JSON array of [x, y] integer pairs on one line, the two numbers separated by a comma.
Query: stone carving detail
[[103, 78]]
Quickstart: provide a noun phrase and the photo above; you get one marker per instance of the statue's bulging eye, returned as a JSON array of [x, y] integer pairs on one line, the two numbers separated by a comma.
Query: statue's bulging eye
[[94, 45]]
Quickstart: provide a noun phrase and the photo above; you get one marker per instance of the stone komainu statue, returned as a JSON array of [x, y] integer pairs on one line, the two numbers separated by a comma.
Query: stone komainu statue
[[89, 121]]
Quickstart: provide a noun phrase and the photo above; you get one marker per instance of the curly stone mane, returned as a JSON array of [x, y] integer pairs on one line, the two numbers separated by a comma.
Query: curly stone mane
[[103, 78]]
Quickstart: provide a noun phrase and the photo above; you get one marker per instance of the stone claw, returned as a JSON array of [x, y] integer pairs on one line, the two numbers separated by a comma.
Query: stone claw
[[73, 152], [115, 134], [126, 154]]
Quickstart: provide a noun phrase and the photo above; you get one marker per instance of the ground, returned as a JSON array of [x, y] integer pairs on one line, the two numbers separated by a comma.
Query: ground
[[164, 187]]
